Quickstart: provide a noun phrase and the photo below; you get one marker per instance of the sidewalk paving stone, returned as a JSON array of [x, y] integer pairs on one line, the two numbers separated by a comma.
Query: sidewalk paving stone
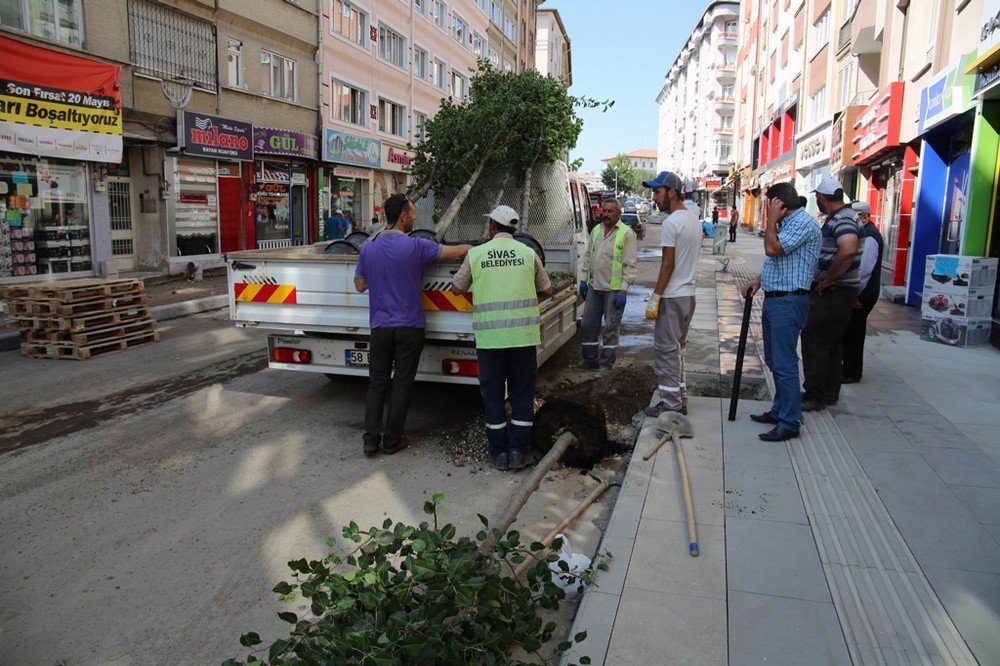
[[982, 502], [973, 599], [774, 558], [660, 560], [970, 468], [760, 492], [897, 472]]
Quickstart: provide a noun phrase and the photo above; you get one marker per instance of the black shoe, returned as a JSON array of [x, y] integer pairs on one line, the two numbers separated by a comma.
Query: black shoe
[[660, 407], [778, 434], [812, 405], [395, 448], [850, 380], [371, 446], [766, 417], [501, 461], [518, 460]]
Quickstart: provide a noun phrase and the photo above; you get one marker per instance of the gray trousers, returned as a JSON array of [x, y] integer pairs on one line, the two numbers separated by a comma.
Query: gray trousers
[[601, 305], [669, 339]]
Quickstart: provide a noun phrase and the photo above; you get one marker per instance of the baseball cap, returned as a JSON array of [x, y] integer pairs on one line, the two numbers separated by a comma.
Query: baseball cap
[[504, 216], [861, 207], [666, 179], [828, 185], [340, 212]]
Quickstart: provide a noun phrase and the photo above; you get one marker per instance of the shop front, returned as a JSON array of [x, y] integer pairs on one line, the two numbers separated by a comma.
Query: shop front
[[348, 185], [60, 123], [888, 167], [393, 177], [812, 162], [946, 127], [750, 190], [284, 206], [842, 149], [207, 211]]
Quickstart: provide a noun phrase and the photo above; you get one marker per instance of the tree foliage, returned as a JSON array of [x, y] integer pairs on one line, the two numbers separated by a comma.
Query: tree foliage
[[419, 595], [618, 171]]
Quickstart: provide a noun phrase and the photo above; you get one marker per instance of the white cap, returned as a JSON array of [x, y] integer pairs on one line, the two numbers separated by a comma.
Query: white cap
[[504, 215], [861, 207], [340, 212], [828, 185]]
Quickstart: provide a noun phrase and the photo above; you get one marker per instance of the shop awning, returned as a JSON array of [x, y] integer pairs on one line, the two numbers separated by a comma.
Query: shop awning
[[984, 61]]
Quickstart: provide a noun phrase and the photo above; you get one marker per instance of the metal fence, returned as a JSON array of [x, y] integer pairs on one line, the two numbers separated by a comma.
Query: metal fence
[[166, 44]]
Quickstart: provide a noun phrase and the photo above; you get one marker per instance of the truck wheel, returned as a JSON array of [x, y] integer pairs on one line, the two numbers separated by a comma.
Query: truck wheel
[[580, 416]]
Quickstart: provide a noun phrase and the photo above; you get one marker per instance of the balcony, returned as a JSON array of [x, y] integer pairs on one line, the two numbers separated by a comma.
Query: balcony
[[724, 101], [724, 71], [844, 38], [724, 131], [728, 40]]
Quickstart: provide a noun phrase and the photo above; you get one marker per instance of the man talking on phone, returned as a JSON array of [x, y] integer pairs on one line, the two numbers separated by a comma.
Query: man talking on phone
[[792, 241]]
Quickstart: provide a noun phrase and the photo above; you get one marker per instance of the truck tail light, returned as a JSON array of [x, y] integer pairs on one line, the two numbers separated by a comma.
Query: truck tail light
[[289, 355], [460, 368]]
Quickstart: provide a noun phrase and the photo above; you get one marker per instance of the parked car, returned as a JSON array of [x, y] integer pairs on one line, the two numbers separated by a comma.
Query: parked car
[[632, 220]]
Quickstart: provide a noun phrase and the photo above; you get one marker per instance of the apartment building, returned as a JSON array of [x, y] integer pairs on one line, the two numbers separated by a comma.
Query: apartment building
[[697, 106], [644, 158], [214, 148], [553, 55]]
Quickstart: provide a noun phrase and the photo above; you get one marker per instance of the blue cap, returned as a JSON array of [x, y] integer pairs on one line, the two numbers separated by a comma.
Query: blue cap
[[666, 179]]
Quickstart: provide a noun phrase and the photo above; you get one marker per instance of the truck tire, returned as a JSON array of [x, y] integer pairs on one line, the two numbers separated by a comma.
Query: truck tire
[[531, 242], [341, 246], [580, 416]]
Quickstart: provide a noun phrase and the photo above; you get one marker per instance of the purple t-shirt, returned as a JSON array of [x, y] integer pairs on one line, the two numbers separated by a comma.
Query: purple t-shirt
[[393, 265]]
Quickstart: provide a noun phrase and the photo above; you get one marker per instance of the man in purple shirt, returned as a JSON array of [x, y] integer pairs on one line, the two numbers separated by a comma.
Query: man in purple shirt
[[391, 267]]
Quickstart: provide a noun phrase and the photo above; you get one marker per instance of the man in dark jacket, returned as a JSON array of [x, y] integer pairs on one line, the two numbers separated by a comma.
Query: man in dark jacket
[[871, 285]]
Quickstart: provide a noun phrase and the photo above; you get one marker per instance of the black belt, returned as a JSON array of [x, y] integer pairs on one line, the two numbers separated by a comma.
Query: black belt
[[779, 294], [837, 286]]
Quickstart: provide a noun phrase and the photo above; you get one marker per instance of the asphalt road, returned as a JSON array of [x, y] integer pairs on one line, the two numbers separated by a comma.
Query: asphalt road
[[151, 499]]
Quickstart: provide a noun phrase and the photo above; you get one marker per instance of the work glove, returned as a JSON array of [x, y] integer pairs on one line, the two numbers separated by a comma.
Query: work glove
[[583, 289], [653, 307], [620, 300]]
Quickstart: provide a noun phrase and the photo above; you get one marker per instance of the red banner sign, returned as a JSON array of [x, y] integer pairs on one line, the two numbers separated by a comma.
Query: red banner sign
[[877, 129]]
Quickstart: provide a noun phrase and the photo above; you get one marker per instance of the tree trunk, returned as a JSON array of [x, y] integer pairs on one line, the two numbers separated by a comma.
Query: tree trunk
[[456, 203], [421, 192], [526, 197]]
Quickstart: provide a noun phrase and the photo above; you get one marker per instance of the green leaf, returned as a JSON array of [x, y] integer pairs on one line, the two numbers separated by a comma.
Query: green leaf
[[349, 576], [331, 542], [448, 532], [437, 498], [580, 637], [483, 520], [370, 578], [277, 648], [387, 523], [585, 660], [383, 639], [429, 508], [290, 618], [300, 566], [282, 588], [418, 545], [536, 546], [250, 639]]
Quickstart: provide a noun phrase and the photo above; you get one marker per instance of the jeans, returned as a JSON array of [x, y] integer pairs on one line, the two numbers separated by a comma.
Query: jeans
[[515, 370], [822, 352], [783, 320], [601, 305], [396, 347], [670, 331], [732, 233], [853, 341]]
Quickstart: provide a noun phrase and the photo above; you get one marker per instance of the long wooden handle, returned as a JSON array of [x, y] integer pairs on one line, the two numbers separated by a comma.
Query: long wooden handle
[[688, 502], [659, 445], [551, 536]]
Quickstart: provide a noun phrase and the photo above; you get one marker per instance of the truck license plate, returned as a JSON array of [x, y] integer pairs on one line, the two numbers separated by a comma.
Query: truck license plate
[[357, 356]]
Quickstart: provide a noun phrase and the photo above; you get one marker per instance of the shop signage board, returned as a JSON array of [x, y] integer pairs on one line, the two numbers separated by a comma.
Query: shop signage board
[[351, 149], [272, 141], [58, 105], [709, 183], [778, 173], [211, 136], [949, 94], [842, 139], [396, 159], [877, 129], [813, 148], [352, 172]]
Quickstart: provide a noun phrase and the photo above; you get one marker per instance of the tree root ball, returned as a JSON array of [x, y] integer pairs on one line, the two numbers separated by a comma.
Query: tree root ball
[[578, 415]]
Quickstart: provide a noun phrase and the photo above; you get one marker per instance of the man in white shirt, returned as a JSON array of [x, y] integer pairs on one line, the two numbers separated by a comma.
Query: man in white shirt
[[672, 303]]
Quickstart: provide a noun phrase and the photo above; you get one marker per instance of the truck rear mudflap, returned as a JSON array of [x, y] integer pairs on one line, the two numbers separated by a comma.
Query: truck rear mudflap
[[441, 361]]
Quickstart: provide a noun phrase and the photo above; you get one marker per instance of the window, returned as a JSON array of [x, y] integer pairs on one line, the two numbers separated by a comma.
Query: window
[[478, 45], [349, 22], [726, 122], [508, 29], [821, 31], [420, 7], [277, 76], [484, 6], [391, 117], [730, 58], [459, 86], [420, 63], [932, 28], [459, 30], [723, 149], [508, 66], [391, 46], [817, 105], [419, 125], [55, 20], [441, 14], [727, 91], [166, 44], [494, 57], [234, 50], [496, 13], [349, 104], [844, 85], [730, 27], [439, 73]]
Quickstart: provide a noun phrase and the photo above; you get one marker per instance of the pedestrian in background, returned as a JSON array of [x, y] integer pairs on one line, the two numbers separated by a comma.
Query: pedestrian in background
[[835, 291], [672, 303], [337, 226], [715, 216], [734, 220], [791, 242], [506, 278], [391, 268], [611, 268], [871, 287]]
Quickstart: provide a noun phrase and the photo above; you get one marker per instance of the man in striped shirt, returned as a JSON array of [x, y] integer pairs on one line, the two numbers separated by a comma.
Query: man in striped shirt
[[835, 291]]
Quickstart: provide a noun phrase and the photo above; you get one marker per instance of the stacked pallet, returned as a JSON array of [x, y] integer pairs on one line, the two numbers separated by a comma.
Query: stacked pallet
[[80, 319]]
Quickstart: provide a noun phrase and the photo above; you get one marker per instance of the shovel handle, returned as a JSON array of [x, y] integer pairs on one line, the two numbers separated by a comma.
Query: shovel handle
[[688, 501], [659, 445]]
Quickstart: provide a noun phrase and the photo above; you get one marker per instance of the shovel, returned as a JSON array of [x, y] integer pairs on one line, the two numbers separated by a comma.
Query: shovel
[[671, 426]]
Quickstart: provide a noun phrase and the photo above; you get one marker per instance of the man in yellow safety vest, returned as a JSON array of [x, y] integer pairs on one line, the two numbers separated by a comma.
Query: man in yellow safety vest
[[506, 279], [611, 267]]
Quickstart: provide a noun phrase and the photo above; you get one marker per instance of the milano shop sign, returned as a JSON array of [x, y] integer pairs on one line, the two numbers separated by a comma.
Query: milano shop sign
[[211, 136]]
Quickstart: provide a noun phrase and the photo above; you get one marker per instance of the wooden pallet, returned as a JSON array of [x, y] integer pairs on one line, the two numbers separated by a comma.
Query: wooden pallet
[[85, 352], [72, 291], [91, 335], [122, 315], [103, 304]]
